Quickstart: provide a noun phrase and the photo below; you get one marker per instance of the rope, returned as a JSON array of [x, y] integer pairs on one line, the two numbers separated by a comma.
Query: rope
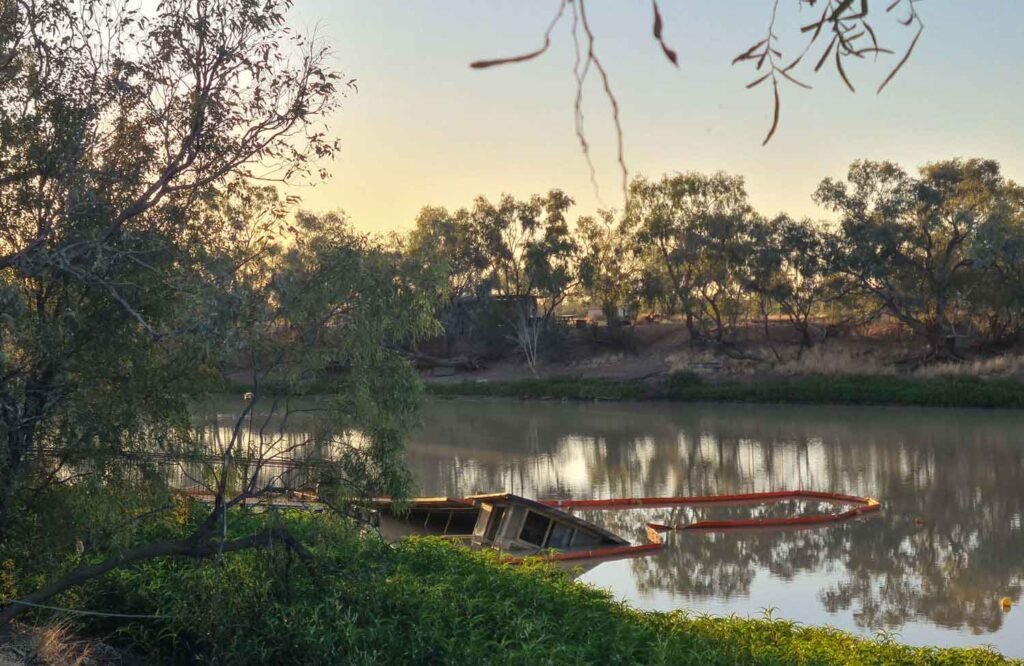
[[83, 612]]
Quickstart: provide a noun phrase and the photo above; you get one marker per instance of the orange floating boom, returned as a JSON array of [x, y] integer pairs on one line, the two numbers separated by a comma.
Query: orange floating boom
[[627, 502], [864, 505]]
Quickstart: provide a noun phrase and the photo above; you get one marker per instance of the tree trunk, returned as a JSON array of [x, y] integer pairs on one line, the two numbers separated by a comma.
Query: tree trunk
[[762, 304], [21, 421], [695, 335]]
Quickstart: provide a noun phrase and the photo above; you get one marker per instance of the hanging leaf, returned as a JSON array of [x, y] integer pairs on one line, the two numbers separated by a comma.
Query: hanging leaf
[[758, 81], [749, 53], [794, 80], [775, 114], [903, 60], [825, 55], [483, 64], [842, 72], [669, 53]]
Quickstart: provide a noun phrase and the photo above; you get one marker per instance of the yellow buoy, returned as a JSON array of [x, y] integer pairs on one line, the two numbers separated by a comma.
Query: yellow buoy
[[1005, 603]]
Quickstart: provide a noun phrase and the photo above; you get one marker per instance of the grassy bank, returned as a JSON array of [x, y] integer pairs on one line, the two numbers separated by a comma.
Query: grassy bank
[[425, 601], [813, 389]]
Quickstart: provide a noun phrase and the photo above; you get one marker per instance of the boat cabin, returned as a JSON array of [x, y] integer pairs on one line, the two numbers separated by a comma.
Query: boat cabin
[[434, 516], [504, 521], [517, 524]]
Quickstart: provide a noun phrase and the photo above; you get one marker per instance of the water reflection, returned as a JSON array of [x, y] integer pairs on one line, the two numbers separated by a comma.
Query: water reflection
[[948, 545], [279, 443]]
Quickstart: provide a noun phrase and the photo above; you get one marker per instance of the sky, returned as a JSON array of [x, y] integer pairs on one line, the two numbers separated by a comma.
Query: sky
[[425, 129]]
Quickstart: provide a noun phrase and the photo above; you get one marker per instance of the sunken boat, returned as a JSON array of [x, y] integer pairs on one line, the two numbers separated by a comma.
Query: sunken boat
[[519, 527], [515, 525]]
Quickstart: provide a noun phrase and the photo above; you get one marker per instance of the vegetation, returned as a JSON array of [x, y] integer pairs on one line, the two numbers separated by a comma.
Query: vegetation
[[143, 257], [138, 259], [559, 389], [938, 255], [518, 257], [426, 601], [820, 390]]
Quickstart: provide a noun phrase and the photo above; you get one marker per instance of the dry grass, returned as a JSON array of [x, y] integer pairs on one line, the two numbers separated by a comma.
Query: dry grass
[[598, 361], [830, 360], [709, 362], [836, 360], [54, 645], [1009, 365]]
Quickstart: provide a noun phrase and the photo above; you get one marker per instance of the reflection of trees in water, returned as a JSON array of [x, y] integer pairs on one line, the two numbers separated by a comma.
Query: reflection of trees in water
[[961, 472], [696, 564], [282, 440]]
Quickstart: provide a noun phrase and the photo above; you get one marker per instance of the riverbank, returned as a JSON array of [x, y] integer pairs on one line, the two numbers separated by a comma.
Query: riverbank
[[941, 391], [427, 601]]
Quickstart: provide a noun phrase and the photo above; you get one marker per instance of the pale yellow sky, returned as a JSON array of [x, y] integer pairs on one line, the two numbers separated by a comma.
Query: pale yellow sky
[[424, 129]]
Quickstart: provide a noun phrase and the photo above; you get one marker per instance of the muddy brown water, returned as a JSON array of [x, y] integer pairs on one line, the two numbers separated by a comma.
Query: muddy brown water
[[930, 569]]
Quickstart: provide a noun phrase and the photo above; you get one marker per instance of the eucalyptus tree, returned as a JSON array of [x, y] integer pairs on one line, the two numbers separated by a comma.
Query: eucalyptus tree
[[532, 260], [909, 243], [722, 249], [793, 267], [448, 240], [998, 302], [608, 271], [349, 301], [691, 227], [763, 275], [116, 125], [330, 298]]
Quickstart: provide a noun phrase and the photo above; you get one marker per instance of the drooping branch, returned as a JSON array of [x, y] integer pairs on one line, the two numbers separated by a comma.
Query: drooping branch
[[190, 547], [846, 27], [586, 59]]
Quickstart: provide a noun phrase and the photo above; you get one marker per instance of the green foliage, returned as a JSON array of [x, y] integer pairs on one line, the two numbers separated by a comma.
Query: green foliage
[[821, 390], [513, 261], [854, 390], [608, 269], [426, 601], [453, 241], [117, 130], [917, 246], [691, 230], [564, 388]]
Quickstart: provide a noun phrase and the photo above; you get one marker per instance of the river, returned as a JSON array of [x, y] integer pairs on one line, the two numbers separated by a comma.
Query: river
[[929, 570]]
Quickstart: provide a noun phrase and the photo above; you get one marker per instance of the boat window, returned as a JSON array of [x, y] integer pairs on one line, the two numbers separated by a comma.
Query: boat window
[[463, 522], [436, 520], [561, 536], [535, 528], [492, 527], [584, 538]]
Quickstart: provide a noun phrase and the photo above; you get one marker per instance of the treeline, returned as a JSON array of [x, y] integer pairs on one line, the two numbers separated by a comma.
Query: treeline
[[940, 253]]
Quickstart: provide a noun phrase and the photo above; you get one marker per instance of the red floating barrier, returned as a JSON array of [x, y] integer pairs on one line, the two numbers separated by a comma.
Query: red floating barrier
[[863, 505]]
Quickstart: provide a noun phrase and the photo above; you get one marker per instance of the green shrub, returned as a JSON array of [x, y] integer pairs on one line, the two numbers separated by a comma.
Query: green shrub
[[564, 389], [852, 390], [811, 389], [425, 601]]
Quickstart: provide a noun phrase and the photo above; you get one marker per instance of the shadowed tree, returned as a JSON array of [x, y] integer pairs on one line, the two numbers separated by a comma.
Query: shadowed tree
[[532, 259], [691, 227], [608, 270], [909, 242], [115, 127]]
